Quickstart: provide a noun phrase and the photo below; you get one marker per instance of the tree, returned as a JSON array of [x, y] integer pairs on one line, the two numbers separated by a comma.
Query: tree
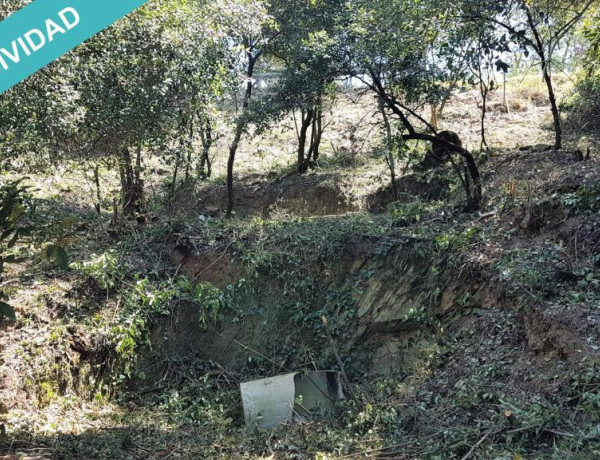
[[11, 230], [390, 149], [389, 46], [590, 33], [143, 81], [540, 25], [306, 46], [250, 35], [135, 87], [303, 90], [484, 47]]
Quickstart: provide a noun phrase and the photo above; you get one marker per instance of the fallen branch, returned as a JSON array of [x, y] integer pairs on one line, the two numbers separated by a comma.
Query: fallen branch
[[479, 443], [246, 347], [338, 357], [388, 448]]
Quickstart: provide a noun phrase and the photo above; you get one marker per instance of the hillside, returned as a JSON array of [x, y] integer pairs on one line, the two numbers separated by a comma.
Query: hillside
[[464, 335]]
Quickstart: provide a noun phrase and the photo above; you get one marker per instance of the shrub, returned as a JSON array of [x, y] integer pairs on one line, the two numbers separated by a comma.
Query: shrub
[[583, 109]]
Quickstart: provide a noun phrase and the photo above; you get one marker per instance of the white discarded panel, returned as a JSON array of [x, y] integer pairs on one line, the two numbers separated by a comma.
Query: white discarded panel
[[270, 402]]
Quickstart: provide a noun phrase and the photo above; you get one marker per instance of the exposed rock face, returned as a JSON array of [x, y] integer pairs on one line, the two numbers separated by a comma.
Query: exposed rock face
[[404, 297], [391, 293], [396, 294]]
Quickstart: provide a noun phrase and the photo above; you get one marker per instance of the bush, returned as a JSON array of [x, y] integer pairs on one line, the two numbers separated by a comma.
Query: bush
[[583, 109]]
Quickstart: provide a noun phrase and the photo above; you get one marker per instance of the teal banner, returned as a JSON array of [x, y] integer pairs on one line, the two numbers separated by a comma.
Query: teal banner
[[45, 30]]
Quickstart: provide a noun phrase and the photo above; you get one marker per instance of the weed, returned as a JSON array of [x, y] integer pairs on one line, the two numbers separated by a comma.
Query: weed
[[586, 200], [459, 240], [105, 269], [411, 212]]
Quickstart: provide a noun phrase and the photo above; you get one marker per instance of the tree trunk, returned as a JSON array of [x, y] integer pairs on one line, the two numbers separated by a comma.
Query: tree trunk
[[230, 163], [475, 196], [190, 149], [140, 198], [484, 95], [98, 204], [175, 173], [138, 165], [127, 182], [484, 90], [313, 140], [473, 199], [389, 148], [316, 137], [545, 62], [206, 135], [188, 162], [435, 117], [132, 186], [319, 137], [554, 106], [307, 119], [438, 110], [239, 131]]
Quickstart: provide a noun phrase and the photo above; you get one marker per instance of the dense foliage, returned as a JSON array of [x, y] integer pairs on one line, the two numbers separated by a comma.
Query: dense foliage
[[162, 80]]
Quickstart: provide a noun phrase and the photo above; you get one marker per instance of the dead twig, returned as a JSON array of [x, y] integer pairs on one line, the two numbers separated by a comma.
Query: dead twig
[[214, 262], [487, 215], [245, 347], [596, 247], [338, 357], [380, 450], [479, 443], [384, 450], [559, 433]]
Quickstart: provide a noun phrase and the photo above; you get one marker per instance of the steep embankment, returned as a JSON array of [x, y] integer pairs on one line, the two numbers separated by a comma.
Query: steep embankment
[[491, 319], [385, 273], [453, 328], [378, 291], [290, 195]]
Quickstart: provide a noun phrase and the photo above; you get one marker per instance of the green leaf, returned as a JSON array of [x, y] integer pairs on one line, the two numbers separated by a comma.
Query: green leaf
[[57, 254], [7, 311], [48, 253], [62, 258]]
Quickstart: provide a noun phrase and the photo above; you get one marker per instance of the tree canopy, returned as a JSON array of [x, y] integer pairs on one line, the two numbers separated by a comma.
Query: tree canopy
[[160, 79]]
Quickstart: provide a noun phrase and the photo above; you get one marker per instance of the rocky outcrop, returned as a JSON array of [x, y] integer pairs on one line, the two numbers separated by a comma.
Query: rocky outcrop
[[398, 291]]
